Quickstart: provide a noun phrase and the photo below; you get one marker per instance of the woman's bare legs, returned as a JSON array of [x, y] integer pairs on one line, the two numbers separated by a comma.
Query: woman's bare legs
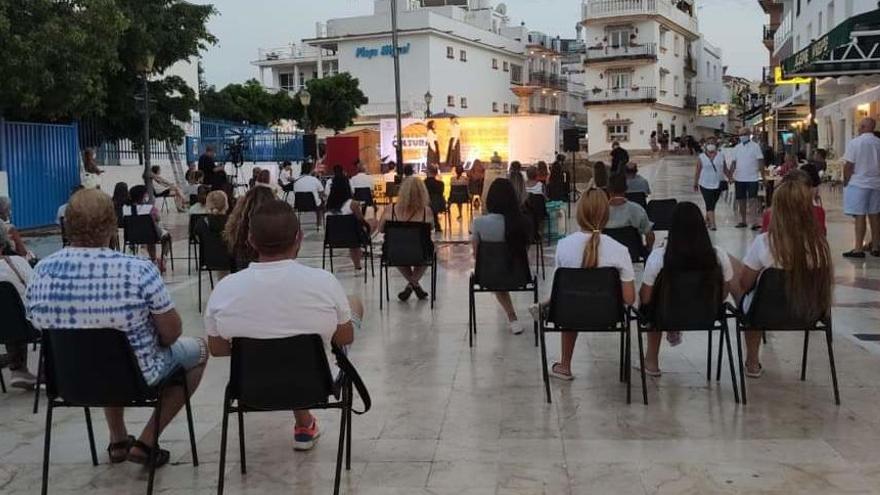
[[356, 255], [568, 341], [506, 304], [652, 355]]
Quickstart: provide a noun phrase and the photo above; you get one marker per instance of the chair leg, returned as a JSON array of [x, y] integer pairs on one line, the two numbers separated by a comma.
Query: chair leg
[[348, 414], [3, 383], [829, 338], [535, 298], [804, 360], [742, 368], [332, 270], [324, 258], [91, 433], [47, 442], [544, 370], [628, 367], [642, 368], [709, 359], [152, 476], [189, 424], [40, 379], [622, 344], [471, 313], [725, 337], [211, 278], [200, 288], [241, 441], [381, 285], [223, 435], [340, 452], [721, 344]]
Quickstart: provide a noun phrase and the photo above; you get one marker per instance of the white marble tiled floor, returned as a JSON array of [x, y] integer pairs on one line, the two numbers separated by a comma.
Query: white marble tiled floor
[[451, 420]]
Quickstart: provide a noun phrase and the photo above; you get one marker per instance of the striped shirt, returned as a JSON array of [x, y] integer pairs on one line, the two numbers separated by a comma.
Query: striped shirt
[[101, 288]]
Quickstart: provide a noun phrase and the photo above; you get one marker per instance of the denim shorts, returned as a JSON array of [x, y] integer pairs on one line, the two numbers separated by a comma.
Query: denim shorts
[[859, 201], [186, 353]]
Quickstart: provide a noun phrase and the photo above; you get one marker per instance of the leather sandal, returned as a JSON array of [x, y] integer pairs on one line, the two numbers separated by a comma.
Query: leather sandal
[[122, 445], [151, 455]]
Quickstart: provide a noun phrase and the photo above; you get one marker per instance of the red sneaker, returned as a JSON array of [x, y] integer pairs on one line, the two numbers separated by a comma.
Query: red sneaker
[[305, 438]]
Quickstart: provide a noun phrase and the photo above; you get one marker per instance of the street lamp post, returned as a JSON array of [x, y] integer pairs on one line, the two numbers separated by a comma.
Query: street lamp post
[[395, 47], [146, 68], [305, 98], [428, 99]]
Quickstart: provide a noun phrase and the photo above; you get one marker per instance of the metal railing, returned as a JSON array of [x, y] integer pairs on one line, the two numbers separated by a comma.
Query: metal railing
[[594, 9], [646, 50], [621, 94], [549, 80], [690, 102]]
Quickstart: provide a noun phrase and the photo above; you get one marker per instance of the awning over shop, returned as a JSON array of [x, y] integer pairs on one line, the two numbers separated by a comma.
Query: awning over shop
[[851, 48]]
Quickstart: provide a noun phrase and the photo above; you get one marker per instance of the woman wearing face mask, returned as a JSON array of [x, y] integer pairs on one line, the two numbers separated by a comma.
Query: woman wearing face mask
[[709, 179]]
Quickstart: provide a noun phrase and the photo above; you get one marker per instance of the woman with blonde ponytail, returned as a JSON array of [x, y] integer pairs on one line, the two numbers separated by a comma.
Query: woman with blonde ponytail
[[589, 248]]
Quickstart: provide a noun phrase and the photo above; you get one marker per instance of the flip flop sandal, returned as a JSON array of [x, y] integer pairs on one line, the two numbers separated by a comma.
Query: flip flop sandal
[[755, 374], [558, 375], [161, 456], [122, 445]]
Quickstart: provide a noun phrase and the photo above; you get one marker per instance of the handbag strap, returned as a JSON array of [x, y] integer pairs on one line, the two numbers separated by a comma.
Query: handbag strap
[[351, 373], [14, 270]]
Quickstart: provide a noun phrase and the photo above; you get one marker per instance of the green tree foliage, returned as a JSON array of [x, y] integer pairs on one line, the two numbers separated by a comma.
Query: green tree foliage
[[248, 102], [335, 102], [56, 56]]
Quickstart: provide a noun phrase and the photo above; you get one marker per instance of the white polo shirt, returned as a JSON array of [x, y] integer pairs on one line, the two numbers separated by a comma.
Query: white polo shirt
[[612, 254], [362, 180], [864, 152], [309, 183], [277, 300], [747, 158]]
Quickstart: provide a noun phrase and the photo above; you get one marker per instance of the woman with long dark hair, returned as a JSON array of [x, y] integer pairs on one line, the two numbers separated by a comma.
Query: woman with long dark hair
[[503, 222], [688, 249], [341, 202]]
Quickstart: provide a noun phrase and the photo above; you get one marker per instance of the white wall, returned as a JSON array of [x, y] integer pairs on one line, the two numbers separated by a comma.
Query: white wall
[[710, 81]]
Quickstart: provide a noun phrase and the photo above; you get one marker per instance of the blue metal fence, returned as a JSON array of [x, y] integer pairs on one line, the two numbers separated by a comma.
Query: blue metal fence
[[261, 143], [42, 166]]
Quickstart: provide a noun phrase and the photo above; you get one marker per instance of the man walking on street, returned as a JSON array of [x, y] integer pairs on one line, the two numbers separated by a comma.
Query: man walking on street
[[619, 158], [861, 179], [747, 164]]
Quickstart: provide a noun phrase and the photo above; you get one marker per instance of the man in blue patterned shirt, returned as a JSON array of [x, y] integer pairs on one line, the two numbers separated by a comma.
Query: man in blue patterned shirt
[[88, 285]]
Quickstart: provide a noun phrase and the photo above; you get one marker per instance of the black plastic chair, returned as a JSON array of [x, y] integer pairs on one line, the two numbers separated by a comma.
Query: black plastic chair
[[304, 202], [64, 240], [638, 198], [588, 300], [689, 308], [192, 251], [16, 329], [440, 207], [460, 196], [536, 210], [660, 213], [391, 190], [346, 232], [771, 311], [141, 230], [364, 196], [213, 252], [497, 270], [97, 368], [407, 244], [632, 239], [289, 374], [164, 196]]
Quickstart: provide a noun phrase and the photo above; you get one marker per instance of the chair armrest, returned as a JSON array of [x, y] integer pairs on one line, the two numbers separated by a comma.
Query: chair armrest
[[350, 373]]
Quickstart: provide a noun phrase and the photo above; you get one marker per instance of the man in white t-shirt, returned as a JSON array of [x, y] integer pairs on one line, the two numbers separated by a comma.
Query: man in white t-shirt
[[861, 178], [747, 164], [362, 178], [277, 297], [308, 183]]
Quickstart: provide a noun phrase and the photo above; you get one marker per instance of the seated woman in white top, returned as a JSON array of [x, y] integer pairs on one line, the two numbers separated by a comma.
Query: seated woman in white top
[[163, 187], [795, 244], [140, 205], [589, 248], [412, 205], [18, 272], [533, 185], [688, 248], [340, 202]]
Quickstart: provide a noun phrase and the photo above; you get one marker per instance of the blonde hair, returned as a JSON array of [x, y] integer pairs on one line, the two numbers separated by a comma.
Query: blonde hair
[[592, 216], [798, 246], [217, 203], [90, 219], [412, 198]]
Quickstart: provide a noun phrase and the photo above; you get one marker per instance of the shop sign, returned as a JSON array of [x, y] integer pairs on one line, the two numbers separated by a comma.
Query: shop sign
[[384, 51]]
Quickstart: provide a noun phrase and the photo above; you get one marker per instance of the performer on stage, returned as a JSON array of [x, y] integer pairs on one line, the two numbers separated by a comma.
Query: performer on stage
[[453, 154], [433, 146]]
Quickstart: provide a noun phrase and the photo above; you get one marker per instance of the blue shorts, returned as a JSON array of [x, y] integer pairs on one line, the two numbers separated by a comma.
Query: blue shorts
[[186, 353], [858, 201]]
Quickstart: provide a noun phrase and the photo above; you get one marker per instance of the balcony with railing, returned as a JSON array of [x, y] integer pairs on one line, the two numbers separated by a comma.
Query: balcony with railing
[[548, 80], [769, 35], [293, 52], [605, 9], [598, 96], [632, 52], [690, 102]]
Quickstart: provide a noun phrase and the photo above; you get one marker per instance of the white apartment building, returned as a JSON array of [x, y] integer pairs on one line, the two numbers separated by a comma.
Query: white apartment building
[[640, 71], [710, 87], [840, 101], [465, 53]]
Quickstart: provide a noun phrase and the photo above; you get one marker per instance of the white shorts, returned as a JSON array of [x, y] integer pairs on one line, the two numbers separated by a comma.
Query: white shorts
[[858, 201]]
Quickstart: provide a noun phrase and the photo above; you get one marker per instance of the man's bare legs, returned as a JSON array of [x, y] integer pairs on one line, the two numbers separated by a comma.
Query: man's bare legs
[[861, 224], [874, 220], [742, 208]]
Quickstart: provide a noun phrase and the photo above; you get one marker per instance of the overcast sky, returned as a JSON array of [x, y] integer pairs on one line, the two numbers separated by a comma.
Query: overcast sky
[[243, 26]]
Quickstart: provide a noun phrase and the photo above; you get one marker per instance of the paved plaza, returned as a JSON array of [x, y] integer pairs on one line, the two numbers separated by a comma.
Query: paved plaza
[[447, 419]]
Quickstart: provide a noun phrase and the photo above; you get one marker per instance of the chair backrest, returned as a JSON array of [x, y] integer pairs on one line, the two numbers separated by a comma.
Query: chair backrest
[[660, 212], [343, 231], [140, 229], [458, 194], [364, 195], [280, 374], [94, 367], [407, 244], [770, 308], [15, 328], [638, 198], [391, 189], [632, 239], [589, 299], [305, 201], [193, 221], [213, 251], [681, 300], [499, 269]]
